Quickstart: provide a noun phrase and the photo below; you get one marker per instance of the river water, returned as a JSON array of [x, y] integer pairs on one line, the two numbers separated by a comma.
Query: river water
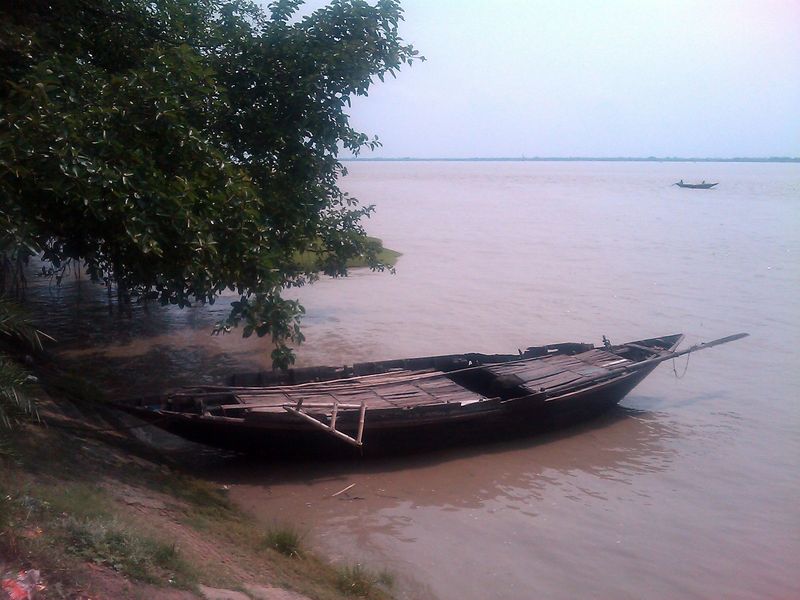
[[689, 490]]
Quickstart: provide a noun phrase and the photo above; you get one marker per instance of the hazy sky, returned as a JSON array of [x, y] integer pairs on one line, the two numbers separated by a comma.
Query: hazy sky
[[592, 78]]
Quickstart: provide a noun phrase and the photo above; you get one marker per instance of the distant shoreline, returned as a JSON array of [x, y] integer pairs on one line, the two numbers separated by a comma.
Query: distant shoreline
[[773, 159]]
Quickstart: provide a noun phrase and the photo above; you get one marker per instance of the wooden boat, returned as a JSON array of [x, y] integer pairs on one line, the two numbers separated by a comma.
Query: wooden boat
[[696, 186], [410, 404]]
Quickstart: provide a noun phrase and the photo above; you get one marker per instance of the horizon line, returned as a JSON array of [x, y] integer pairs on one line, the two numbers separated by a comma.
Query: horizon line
[[776, 159]]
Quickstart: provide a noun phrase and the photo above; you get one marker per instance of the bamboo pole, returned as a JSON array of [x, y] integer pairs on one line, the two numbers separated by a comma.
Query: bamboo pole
[[349, 487], [319, 424], [326, 405], [282, 404], [659, 359], [361, 416]]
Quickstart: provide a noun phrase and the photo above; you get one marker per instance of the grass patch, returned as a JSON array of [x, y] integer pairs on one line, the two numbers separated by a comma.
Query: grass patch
[[306, 260], [78, 500], [356, 580], [386, 579], [107, 542], [284, 539], [386, 255], [50, 523], [205, 498]]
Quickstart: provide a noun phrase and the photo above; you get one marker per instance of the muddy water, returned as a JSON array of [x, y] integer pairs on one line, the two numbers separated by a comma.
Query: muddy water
[[687, 491]]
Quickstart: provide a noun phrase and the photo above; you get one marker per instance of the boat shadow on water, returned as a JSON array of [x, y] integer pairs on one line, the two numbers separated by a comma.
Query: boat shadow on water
[[621, 441], [621, 446]]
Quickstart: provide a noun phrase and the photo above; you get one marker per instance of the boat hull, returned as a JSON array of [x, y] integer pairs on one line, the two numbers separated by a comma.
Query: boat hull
[[432, 430], [697, 186]]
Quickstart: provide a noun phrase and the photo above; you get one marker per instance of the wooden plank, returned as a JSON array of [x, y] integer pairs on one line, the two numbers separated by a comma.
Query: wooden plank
[[590, 371], [645, 348], [555, 380], [533, 375], [544, 363], [597, 356], [305, 405], [329, 405]]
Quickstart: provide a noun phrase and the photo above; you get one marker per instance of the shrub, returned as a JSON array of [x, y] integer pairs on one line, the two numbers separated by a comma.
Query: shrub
[[107, 542], [355, 580], [285, 539]]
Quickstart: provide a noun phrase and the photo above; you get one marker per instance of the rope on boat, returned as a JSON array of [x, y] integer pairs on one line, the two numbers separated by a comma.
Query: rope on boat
[[685, 367]]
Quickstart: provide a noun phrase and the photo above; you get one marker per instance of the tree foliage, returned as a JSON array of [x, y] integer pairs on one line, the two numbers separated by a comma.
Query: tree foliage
[[182, 148]]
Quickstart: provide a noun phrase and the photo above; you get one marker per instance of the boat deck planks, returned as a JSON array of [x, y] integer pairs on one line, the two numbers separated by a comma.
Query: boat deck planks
[[386, 395], [544, 373], [407, 389]]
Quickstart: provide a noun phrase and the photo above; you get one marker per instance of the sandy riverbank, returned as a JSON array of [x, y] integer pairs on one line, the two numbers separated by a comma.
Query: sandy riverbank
[[94, 513]]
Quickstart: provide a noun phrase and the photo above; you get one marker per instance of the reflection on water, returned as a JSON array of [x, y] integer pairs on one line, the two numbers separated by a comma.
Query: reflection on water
[[513, 473], [630, 442], [402, 509], [692, 495], [145, 350]]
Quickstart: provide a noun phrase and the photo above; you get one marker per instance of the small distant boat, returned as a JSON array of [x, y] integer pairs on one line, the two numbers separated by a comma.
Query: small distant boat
[[396, 405], [696, 186]]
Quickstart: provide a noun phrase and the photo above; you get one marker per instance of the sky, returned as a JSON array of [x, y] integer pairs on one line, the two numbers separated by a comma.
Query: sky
[[513, 78]]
